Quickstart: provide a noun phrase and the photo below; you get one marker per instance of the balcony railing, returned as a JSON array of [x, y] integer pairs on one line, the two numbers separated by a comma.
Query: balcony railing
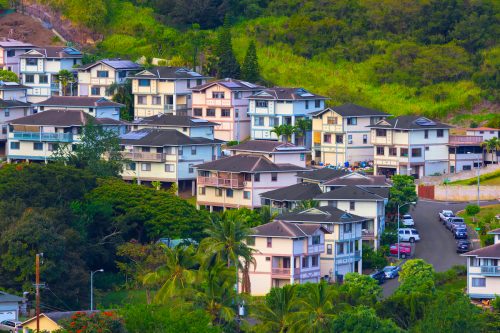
[[316, 248], [54, 86], [40, 136], [465, 140], [367, 234], [490, 270], [221, 182], [139, 156], [284, 271]]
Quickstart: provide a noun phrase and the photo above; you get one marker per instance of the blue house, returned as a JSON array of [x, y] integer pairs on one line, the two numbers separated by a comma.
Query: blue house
[[10, 306]]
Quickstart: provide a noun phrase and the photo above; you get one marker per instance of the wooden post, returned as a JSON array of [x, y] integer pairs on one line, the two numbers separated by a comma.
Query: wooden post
[[37, 285]]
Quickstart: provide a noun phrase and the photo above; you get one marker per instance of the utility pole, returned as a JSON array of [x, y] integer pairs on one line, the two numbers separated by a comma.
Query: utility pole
[[37, 286]]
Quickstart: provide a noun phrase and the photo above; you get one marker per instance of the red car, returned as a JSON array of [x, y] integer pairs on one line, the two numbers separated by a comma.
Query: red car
[[404, 250]]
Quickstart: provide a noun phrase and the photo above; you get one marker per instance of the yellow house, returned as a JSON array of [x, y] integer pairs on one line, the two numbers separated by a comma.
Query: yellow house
[[164, 89], [50, 321]]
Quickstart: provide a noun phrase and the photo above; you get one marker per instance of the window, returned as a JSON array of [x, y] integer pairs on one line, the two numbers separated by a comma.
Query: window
[[352, 121], [43, 78], [349, 139], [198, 112], [467, 167], [156, 100], [365, 139], [380, 151], [201, 190], [307, 105], [317, 103], [130, 166], [316, 239], [274, 176], [478, 282], [141, 99], [11, 53], [261, 104], [145, 149], [251, 241], [340, 248], [97, 91], [404, 152], [229, 193], [440, 133], [269, 242], [191, 168], [210, 112], [102, 74], [217, 94], [327, 138], [393, 151], [14, 145], [381, 132], [53, 146], [29, 78], [181, 151], [193, 150], [37, 146], [31, 61], [331, 120], [427, 148], [169, 168], [143, 82], [314, 261], [256, 177], [339, 138], [329, 249], [225, 113], [305, 262], [347, 228], [146, 167], [352, 205], [259, 121], [416, 152], [188, 83], [218, 192], [274, 121], [7, 113], [199, 82], [246, 194], [302, 157]]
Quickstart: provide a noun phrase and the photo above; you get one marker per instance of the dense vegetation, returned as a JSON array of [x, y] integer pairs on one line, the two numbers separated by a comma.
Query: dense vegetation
[[411, 56]]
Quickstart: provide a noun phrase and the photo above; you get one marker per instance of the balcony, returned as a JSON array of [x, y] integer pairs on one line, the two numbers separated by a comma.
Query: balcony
[[149, 157], [459, 140], [40, 136], [284, 271], [54, 86], [490, 270], [221, 182], [367, 234], [316, 248], [335, 128]]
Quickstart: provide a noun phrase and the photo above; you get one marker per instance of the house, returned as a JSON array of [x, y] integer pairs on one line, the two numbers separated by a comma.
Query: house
[[39, 68], [10, 50], [166, 155], [95, 79], [191, 126], [164, 89], [10, 110], [410, 145], [340, 134], [13, 90], [99, 107], [320, 176], [225, 102], [36, 137], [486, 133], [289, 198], [276, 106], [465, 152], [285, 253], [276, 151], [483, 270], [50, 321], [10, 306], [342, 253]]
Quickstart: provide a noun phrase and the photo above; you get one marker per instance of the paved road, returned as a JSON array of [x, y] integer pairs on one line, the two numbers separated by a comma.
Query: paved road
[[437, 245]]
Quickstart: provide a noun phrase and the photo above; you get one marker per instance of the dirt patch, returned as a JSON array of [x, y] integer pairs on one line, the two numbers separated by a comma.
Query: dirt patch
[[27, 29]]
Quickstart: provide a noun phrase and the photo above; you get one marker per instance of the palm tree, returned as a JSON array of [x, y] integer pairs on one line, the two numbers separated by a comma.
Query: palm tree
[[122, 93], [306, 204], [303, 126], [492, 145], [64, 77], [276, 313], [278, 130]]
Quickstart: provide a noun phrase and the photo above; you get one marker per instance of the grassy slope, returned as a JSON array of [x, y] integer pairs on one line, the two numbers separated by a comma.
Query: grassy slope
[[492, 178]]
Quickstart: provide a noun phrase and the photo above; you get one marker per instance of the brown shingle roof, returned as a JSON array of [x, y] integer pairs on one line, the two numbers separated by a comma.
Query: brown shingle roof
[[12, 103], [364, 181], [174, 120], [266, 146], [280, 93], [295, 192], [247, 163], [78, 101], [492, 251], [168, 72], [64, 118], [323, 214], [322, 174], [349, 193], [163, 137], [410, 123], [286, 230]]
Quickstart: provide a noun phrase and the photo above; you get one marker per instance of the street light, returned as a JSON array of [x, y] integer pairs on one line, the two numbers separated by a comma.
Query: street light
[[92, 287], [478, 161], [399, 207]]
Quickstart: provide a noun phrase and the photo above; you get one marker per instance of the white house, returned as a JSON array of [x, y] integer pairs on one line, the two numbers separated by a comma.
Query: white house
[[10, 306], [10, 50]]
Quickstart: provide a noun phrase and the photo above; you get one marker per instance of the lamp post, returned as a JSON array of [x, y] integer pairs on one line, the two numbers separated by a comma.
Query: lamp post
[[478, 176], [92, 287], [399, 207]]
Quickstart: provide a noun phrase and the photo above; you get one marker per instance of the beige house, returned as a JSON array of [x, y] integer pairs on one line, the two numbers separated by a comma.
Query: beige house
[[96, 78], [285, 253], [483, 270], [164, 89], [225, 102], [341, 135], [50, 321]]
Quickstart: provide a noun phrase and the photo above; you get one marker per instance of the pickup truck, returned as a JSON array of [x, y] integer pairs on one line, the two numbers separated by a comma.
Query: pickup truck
[[445, 214], [452, 221]]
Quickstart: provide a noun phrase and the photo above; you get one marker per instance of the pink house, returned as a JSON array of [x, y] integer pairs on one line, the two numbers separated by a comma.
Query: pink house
[[225, 102]]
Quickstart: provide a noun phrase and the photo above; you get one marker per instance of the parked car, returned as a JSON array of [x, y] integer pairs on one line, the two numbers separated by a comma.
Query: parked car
[[453, 220], [408, 235], [460, 233], [404, 250], [463, 246], [408, 220], [391, 271], [379, 276], [8, 324], [456, 226], [445, 214]]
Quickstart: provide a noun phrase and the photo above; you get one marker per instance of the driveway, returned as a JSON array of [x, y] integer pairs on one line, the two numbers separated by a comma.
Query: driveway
[[437, 245]]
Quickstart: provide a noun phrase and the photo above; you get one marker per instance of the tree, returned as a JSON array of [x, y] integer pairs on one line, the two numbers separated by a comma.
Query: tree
[[306, 204], [284, 131], [275, 314], [122, 93], [373, 259], [472, 210], [492, 145], [360, 289], [227, 65], [401, 192], [363, 320], [303, 125], [82, 322], [65, 77], [8, 76], [250, 69], [416, 276]]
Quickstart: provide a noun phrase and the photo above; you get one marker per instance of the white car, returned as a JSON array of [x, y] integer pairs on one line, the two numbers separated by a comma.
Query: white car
[[408, 220], [408, 235]]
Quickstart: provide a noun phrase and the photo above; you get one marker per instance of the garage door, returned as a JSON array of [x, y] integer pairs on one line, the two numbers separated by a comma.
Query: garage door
[[8, 315]]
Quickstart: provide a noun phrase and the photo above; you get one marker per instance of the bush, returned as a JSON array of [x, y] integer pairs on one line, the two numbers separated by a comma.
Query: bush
[[388, 237], [472, 210], [373, 259]]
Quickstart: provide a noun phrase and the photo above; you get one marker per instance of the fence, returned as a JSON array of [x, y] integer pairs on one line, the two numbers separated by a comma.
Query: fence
[[461, 193]]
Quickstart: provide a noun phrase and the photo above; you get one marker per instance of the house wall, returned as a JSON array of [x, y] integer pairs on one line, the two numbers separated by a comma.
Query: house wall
[[298, 159], [11, 63], [45, 325], [491, 289], [17, 94], [98, 112], [89, 79], [9, 311], [485, 134]]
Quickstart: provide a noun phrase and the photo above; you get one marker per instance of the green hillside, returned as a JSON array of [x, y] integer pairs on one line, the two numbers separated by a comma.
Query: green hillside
[[432, 57]]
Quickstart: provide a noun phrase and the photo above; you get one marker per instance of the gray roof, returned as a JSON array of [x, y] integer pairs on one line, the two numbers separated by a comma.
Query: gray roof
[[8, 298], [267, 146], [5, 85], [174, 120], [322, 174], [279, 93], [116, 64], [352, 110], [492, 251], [367, 180], [409, 123], [62, 118], [286, 230], [8, 43], [162, 137], [323, 214], [349, 193], [54, 52], [247, 163], [168, 72], [13, 103], [78, 101], [380, 191], [295, 192], [231, 84]]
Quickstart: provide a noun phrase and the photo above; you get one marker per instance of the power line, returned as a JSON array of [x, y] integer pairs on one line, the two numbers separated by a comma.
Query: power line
[[66, 305]]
